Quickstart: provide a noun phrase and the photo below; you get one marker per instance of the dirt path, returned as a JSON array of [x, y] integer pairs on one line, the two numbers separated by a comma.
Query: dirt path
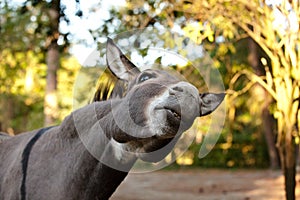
[[204, 184]]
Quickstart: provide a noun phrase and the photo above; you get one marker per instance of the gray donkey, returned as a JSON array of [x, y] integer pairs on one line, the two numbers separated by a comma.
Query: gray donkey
[[90, 153]]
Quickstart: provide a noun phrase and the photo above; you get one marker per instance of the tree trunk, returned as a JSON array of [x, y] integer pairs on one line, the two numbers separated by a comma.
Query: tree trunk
[[7, 114], [52, 59], [288, 160], [268, 127], [267, 119]]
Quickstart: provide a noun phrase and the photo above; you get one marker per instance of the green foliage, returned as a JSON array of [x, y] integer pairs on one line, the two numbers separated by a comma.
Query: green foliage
[[67, 75], [22, 90], [26, 33], [246, 150], [242, 143]]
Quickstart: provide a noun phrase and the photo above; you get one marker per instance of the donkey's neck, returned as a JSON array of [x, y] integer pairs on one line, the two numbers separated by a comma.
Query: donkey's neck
[[102, 163], [97, 129]]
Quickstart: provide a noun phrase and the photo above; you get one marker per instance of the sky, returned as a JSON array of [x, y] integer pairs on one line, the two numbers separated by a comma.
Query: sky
[[90, 21], [79, 27], [87, 54]]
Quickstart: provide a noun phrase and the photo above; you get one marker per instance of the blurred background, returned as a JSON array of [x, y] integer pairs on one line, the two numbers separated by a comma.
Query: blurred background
[[254, 45]]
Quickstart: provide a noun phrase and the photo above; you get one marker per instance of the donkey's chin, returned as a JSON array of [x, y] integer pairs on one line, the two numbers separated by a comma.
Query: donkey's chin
[[157, 149], [161, 145]]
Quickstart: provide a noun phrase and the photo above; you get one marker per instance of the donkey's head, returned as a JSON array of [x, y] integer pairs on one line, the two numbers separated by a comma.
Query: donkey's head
[[157, 106]]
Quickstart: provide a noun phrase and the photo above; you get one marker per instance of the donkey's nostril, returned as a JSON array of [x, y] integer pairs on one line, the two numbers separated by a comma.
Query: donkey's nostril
[[183, 89], [177, 88]]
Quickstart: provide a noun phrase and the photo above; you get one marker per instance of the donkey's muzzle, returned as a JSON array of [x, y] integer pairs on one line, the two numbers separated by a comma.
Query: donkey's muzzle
[[187, 101], [180, 107]]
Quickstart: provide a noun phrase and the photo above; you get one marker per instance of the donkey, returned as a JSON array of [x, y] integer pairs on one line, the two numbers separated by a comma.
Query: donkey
[[90, 153]]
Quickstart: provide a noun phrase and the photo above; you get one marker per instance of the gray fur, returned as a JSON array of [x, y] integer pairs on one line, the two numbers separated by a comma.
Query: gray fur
[[89, 154]]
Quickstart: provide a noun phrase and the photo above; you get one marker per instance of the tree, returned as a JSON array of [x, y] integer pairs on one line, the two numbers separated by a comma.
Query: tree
[[28, 41], [20, 68], [52, 60], [53, 11], [255, 54], [280, 42]]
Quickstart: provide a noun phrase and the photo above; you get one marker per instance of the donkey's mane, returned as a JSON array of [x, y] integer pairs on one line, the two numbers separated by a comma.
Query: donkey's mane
[[109, 87], [4, 136]]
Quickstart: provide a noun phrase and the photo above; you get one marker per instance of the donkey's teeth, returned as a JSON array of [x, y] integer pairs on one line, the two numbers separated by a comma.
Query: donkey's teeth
[[174, 113]]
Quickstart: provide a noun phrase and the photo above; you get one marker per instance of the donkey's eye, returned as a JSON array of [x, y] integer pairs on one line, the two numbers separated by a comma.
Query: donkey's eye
[[144, 77]]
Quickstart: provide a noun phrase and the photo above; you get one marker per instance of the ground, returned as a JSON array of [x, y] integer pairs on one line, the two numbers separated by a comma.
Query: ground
[[204, 184]]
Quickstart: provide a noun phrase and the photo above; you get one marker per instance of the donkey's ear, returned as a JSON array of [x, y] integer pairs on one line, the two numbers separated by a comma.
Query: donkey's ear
[[118, 63], [209, 102]]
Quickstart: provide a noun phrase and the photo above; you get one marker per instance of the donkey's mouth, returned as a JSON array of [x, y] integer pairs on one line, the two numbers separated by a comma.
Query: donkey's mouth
[[173, 112]]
